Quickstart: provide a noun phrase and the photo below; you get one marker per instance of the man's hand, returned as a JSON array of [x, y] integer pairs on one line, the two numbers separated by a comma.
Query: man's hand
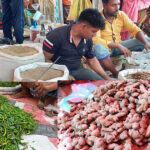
[[71, 78], [41, 88], [95, 65], [147, 46], [125, 51]]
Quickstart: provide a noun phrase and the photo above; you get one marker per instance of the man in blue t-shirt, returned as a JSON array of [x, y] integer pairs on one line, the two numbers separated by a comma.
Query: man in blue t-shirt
[[73, 41]]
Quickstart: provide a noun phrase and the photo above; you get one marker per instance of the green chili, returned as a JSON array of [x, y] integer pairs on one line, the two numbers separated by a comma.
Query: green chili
[[14, 123], [9, 84]]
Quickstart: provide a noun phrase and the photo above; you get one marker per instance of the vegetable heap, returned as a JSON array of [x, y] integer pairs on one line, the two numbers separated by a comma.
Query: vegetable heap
[[8, 84], [14, 123], [117, 118]]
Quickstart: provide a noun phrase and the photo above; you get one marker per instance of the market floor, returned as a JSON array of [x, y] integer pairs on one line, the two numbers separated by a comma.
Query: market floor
[[29, 100]]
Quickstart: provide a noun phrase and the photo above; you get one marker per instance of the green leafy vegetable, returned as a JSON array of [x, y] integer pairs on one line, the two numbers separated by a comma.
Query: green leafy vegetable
[[8, 84]]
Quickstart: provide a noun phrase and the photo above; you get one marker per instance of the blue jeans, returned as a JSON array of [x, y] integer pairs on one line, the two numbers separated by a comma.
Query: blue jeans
[[102, 53], [85, 74], [13, 16]]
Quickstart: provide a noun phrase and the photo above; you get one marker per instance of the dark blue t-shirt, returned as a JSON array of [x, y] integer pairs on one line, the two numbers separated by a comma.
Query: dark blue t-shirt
[[60, 43]]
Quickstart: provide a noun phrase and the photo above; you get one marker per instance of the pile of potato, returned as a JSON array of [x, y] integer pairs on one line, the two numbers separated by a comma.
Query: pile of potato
[[117, 118]]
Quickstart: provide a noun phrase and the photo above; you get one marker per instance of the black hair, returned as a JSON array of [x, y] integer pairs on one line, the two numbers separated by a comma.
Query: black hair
[[105, 1], [93, 18]]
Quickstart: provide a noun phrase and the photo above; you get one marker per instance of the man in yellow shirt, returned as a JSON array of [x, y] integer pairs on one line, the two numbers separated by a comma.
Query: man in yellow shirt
[[107, 42]]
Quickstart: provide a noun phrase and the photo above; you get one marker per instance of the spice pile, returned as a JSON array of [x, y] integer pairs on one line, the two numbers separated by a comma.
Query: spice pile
[[117, 118], [139, 76], [19, 51], [35, 74], [14, 123]]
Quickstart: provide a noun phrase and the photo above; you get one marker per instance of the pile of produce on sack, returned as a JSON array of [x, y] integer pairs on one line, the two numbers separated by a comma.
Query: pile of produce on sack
[[116, 118]]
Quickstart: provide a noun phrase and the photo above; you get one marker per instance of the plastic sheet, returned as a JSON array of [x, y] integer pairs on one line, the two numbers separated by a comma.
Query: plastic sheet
[[79, 92], [145, 66], [142, 55], [139, 58]]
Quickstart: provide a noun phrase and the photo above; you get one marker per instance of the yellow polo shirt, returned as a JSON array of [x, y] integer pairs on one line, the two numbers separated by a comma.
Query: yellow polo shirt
[[121, 22]]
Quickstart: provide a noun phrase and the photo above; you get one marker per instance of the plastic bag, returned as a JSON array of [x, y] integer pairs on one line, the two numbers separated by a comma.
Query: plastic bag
[[145, 66], [142, 55], [139, 58], [77, 7], [79, 92]]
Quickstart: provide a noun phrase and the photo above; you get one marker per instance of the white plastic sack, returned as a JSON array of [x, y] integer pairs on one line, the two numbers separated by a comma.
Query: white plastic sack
[[138, 58], [145, 66], [122, 74], [40, 39], [9, 63], [37, 142], [10, 90], [17, 73]]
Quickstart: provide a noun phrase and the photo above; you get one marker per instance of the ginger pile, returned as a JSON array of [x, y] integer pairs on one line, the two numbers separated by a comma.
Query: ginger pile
[[117, 118]]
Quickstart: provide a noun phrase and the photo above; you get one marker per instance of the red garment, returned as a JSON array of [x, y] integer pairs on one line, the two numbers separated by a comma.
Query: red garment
[[67, 2], [131, 8]]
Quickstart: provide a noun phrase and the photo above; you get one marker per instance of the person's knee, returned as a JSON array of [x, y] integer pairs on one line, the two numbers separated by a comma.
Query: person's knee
[[90, 75], [85, 74], [101, 52]]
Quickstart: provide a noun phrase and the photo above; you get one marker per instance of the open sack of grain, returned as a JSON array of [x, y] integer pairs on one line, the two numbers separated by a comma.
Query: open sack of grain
[[14, 56], [32, 72], [134, 74]]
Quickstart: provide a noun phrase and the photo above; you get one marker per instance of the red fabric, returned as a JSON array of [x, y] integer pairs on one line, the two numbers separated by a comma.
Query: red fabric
[[47, 45], [67, 2], [1, 27], [131, 8], [54, 141]]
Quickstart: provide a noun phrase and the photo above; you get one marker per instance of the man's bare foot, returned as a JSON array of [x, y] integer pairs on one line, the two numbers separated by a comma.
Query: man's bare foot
[[51, 113], [115, 75], [123, 67], [45, 101], [51, 110], [21, 94]]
